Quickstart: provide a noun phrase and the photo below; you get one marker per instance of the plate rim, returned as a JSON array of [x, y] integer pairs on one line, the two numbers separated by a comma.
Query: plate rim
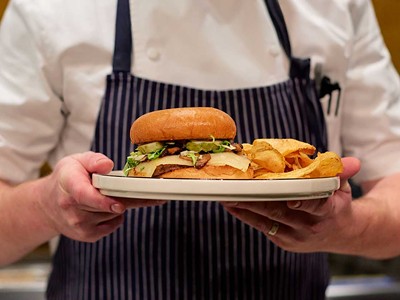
[[217, 189]]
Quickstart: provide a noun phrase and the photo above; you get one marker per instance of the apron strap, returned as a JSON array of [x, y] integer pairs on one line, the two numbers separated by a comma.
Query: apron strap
[[278, 20], [122, 59], [299, 68]]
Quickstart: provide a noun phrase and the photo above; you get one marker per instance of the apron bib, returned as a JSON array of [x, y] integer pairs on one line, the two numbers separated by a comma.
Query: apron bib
[[193, 250]]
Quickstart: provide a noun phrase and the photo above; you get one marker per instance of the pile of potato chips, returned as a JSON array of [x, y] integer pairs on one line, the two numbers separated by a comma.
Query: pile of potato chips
[[290, 158]]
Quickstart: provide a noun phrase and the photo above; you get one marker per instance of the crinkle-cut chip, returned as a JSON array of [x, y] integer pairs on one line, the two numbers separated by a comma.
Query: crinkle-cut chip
[[288, 146], [326, 164]]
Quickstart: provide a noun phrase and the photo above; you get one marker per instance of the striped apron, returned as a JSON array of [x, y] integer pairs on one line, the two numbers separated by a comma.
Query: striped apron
[[193, 250]]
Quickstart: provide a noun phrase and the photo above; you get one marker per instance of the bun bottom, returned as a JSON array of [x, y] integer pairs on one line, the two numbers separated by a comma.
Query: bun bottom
[[210, 172]]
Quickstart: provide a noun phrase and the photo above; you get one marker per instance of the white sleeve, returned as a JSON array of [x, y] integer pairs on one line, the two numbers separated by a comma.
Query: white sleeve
[[371, 114], [30, 112]]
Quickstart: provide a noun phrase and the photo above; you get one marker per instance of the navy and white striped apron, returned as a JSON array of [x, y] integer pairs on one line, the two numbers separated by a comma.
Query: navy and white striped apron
[[193, 250]]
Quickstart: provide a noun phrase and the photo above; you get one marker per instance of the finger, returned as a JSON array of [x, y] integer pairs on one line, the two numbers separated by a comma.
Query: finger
[[108, 227], [285, 236], [112, 208], [322, 207], [101, 218], [256, 221], [86, 218], [92, 233], [76, 184], [137, 203], [274, 230], [317, 207], [273, 210]]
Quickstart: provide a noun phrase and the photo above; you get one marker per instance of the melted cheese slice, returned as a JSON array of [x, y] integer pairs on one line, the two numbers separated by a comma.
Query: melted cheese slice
[[240, 162]]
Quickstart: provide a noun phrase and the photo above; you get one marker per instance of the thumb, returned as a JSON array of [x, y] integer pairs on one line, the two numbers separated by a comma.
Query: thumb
[[95, 162], [351, 166]]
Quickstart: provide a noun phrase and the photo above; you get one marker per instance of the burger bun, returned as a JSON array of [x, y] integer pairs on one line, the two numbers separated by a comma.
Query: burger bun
[[188, 123]]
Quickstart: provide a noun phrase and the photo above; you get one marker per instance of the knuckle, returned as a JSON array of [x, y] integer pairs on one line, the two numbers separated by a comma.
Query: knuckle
[[299, 239], [79, 192], [262, 227], [316, 228], [77, 223], [65, 203], [277, 213]]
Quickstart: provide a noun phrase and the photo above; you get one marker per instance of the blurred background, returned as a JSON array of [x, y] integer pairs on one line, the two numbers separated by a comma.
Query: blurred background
[[353, 277]]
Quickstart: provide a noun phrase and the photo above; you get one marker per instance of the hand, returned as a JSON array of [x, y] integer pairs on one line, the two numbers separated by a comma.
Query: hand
[[74, 207], [304, 226]]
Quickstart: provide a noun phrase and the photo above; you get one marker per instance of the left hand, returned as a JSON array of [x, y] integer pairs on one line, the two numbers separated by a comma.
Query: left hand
[[304, 226]]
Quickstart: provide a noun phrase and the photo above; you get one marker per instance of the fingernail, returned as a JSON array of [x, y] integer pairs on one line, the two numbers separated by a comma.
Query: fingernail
[[101, 160], [160, 202], [117, 208], [295, 204]]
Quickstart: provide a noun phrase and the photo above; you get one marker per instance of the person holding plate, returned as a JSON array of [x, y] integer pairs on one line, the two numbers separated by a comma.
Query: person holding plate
[[73, 77]]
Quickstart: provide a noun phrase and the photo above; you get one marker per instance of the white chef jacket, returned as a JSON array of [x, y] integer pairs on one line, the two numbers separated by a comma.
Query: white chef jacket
[[55, 55]]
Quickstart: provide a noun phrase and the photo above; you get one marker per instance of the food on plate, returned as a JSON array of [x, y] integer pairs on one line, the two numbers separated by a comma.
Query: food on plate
[[290, 158], [191, 142], [264, 156], [197, 142]]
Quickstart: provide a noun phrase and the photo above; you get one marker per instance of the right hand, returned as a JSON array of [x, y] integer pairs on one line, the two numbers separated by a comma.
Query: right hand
[[74, 207]]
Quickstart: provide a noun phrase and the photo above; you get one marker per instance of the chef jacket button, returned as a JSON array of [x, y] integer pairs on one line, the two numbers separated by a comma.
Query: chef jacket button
[[274, 50], [153, 54]]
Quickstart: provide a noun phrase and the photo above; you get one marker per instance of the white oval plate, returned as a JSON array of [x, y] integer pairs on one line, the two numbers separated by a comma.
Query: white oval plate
[[117, 185]]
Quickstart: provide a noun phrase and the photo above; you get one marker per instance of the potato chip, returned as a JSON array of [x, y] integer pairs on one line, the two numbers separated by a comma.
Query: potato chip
[[260, 171], [288, 146], [330, 165], [247, 149], [325, 165], [304, 160], [290, 158], [299, 173], [265, 156], [292, 162], [271, 160]]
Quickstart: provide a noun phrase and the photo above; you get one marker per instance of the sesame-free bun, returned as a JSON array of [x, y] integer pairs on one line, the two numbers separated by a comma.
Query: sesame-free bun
[[210, 172], [189, 123]]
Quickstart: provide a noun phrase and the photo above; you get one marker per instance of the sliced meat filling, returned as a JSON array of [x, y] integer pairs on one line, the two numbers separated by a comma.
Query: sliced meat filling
[[202, 161], [161, 169]]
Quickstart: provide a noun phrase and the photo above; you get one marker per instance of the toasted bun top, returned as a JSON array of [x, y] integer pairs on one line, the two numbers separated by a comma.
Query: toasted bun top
[[197, 123]]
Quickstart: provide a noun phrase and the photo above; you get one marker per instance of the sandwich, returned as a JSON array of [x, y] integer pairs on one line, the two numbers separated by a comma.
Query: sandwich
[[191, 142]]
